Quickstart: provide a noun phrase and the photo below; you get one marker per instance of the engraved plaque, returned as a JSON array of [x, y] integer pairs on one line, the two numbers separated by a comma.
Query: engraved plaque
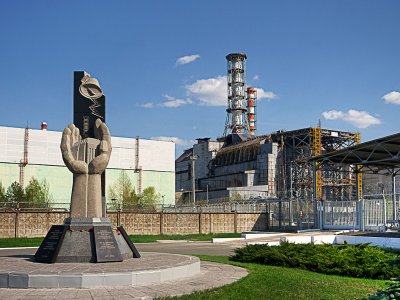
[[50, 246], [107, 249]]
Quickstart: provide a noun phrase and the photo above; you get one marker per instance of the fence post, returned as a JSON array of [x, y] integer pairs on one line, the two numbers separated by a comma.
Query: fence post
[[235, 221], [361, 214], [321, 215], [200, 223], [161, 222], [211, 223], [280, 214], [16, 223]]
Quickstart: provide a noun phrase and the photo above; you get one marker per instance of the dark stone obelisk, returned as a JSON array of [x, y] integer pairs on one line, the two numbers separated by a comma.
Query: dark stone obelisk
[[85, 114]]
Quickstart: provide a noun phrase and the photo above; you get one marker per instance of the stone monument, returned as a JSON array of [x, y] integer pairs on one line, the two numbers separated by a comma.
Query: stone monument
[[86, 236]]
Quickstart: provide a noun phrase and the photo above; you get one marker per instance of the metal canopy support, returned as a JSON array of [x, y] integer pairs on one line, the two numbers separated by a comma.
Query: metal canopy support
[[358, 172], [377, 156], [314, 195], [394, 210]]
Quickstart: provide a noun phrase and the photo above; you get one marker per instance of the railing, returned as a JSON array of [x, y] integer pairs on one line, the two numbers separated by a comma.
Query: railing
[[372, 212], [32, 206]]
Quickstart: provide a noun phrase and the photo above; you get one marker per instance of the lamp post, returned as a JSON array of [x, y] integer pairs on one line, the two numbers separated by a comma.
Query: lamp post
[[117, 205], [207, 193], [193, 159]]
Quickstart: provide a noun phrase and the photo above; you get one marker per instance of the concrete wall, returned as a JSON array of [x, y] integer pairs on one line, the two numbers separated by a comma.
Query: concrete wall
[[156, 158], [44, 149], [60, 180], [31, 224]]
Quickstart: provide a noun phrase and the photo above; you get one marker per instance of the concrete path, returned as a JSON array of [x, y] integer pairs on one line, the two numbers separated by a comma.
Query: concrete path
[[212, 275], [190, 248]]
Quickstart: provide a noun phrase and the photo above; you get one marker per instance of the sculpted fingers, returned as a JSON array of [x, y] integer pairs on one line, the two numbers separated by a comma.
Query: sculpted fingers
[[65, 139], [76, 136], [72, 129], [105, 134], [79, 167], [96, 129], [69, 137], [99, 163]]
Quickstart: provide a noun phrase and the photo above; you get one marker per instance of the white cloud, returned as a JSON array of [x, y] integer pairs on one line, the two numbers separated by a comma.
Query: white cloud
[[187, 59], [176, 140], [256, 77], [175, 102], [359, 119], [333, 115], [392, 97], [211, 91], [261, 94], [148, 105]]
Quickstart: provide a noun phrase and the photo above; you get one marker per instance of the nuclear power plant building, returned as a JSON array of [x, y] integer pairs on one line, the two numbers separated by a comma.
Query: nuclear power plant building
[[241, 165]]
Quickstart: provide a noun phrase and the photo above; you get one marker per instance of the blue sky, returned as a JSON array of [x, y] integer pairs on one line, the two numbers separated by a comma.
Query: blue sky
[[162, 67]]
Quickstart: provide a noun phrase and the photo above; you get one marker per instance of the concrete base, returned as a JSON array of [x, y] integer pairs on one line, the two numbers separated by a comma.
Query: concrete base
[[151, 268], [78, 245]]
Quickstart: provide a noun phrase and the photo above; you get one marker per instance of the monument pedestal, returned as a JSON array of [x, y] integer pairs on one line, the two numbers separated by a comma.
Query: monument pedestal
[[86, 240]]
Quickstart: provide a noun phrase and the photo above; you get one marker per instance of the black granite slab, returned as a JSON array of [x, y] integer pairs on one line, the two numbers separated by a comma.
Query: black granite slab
[[106, 246], [135, 252], [48, 250]]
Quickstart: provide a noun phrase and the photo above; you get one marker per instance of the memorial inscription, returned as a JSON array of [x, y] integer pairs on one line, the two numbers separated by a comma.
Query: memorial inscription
[[50, 246], [107, 249]]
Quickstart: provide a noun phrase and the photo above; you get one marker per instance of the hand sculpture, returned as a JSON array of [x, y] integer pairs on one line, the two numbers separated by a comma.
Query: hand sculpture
[[86, 190], [71, 137]]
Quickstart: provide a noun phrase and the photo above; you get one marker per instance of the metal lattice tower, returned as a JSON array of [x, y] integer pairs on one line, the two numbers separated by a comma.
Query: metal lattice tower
[[24, 161], [251, 109], [236, 120], [138, 168]]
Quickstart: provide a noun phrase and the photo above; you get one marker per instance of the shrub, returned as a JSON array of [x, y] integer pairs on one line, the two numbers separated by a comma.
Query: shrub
[[391, 293], [362, 260]]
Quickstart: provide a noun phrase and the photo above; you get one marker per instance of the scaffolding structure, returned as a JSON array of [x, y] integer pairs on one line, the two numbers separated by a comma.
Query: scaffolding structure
[[138, 167], [294, 178], [236, 120], [24, 161]]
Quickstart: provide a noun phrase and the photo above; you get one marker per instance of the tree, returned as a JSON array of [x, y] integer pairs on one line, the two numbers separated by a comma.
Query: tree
[[15, 194], [149, 198], [2, 195], [37, 193], [123, 191]]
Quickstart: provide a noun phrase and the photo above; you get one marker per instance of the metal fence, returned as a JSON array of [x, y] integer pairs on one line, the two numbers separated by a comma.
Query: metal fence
[[283, 214], [372, 212]]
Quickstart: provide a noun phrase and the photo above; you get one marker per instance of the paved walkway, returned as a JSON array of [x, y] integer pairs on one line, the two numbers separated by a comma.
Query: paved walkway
[[212, 275]]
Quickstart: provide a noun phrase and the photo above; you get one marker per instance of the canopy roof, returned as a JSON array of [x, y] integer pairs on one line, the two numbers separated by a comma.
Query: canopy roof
[[377, 156]]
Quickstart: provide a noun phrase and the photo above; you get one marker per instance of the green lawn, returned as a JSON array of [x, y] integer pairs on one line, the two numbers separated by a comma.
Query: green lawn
[[20, 242], [269, 282], [35, 242]]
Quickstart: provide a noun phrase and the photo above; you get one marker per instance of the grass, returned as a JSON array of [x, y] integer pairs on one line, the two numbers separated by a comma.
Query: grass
[[35, 242], [270, 282], [20, 242]]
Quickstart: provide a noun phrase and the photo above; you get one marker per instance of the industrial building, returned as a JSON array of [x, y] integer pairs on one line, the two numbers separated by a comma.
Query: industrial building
[[26, 153], [241, 165]]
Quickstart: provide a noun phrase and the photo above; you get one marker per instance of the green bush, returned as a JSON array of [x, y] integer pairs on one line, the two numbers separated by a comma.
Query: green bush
[[391, 293], [360, 261]]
